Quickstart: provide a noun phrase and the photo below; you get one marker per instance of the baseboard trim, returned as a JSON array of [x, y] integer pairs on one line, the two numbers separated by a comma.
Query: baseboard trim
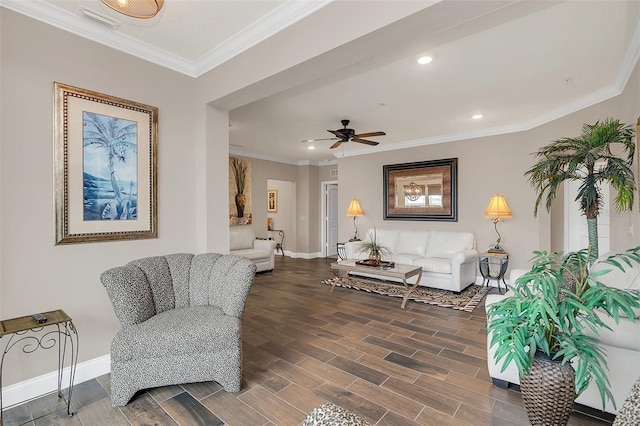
[[303, 255], [27, 390]]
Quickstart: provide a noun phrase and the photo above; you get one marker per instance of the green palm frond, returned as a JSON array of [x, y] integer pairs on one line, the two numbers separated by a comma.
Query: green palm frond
[[577, 159], [590, 160], [548, 314]]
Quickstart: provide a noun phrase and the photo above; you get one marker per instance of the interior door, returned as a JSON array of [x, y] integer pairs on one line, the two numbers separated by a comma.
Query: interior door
[[331, 217]]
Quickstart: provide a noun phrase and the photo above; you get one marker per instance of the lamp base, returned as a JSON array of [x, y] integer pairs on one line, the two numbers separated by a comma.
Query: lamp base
[[354, 239], [496, 249]]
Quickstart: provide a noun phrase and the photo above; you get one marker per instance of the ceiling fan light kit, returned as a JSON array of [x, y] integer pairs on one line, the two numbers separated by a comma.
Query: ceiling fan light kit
[[142, 9], [348, 135]]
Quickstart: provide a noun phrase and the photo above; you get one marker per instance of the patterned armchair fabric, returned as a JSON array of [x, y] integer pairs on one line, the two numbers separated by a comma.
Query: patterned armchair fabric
[[181, 318], [330, 414], [629, 414]]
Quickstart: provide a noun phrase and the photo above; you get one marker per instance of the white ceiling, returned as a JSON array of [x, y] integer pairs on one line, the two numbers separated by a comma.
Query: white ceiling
[[519, 63]]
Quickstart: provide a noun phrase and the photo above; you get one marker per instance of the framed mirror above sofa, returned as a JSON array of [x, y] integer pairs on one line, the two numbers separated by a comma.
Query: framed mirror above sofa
[[425, 190]]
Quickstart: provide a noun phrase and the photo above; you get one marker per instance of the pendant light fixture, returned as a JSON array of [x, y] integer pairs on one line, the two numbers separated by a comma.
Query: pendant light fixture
[[413, 191], [142, 9]]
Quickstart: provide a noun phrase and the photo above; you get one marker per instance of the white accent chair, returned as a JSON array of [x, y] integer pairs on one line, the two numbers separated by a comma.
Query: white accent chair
[[243, 242]]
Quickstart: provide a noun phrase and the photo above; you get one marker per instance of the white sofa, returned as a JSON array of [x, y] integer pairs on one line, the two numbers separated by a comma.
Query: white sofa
[[448, 259], [621, 345], [243, 242]]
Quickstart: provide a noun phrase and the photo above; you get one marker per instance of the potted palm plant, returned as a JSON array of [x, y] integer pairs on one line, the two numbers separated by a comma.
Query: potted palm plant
[[371, 245], [591, 160], [549, 328]]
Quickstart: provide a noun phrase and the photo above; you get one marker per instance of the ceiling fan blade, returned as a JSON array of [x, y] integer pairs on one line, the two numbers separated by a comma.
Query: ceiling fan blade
[[335, 145], [364, 141], [335, 132], [322, 139], [368, 135]]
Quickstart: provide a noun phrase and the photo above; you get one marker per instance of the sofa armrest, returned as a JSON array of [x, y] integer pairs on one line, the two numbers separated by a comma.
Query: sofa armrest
[[464, 256], [265, 245], [463, 268], [352, 248]]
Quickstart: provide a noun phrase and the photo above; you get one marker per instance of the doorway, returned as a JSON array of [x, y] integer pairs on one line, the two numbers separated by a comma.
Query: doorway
[[330, 218], [281, 215]]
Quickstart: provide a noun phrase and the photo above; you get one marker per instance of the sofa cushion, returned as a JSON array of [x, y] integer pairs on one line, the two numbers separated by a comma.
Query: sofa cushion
[[629, 279], [622, 335], [434, 264], [253, 254], [241, 237], [180, 268], [446, 244], [158, 275], [404, 259], [175, 332], [385, 237], [412, 242]]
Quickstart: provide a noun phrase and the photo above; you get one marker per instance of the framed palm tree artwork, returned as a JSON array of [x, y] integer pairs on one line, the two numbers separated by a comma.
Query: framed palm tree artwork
[[105, 167]]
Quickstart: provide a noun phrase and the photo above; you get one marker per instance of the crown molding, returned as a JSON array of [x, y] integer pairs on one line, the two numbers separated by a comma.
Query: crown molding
[[249, 154], [277, 20], [243, 153], [577, 105], [629, 62], [76, 24], [287, 14]]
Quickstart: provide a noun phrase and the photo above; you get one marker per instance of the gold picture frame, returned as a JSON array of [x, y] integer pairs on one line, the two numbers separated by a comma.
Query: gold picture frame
[[272, 200], [425, 190], [105, 167]]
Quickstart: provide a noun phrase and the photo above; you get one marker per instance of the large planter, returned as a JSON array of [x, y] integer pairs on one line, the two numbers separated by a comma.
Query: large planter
[[548, 391]]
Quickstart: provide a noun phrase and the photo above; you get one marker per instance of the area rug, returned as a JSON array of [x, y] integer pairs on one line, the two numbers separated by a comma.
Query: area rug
[[465, 301]]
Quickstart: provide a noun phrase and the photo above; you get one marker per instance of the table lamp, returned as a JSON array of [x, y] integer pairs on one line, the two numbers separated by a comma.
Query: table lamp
[[354, 211], [497, 210]]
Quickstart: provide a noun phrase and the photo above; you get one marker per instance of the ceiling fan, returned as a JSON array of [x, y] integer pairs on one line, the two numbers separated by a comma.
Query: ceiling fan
[[348, 135]]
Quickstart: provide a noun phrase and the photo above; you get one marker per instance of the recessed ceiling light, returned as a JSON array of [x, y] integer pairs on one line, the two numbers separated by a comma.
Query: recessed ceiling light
[[477, 116], [425, 60], [312, 147]]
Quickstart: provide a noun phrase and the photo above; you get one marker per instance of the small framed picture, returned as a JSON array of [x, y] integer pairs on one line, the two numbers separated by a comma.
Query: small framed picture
[[272, 200]]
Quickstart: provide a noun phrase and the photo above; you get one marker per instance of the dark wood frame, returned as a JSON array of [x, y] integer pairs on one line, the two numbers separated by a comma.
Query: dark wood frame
[[449, 210]]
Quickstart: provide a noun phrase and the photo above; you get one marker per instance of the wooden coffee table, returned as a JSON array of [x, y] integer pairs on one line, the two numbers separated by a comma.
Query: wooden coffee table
[[401, 272]]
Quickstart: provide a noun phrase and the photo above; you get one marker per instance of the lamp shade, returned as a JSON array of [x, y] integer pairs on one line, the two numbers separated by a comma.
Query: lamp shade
[[143, 9], [498, 208], [354, 209]]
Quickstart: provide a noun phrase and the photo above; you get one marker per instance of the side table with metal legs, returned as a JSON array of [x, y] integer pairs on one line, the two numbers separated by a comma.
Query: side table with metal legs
[[25, 333], [493, 266]]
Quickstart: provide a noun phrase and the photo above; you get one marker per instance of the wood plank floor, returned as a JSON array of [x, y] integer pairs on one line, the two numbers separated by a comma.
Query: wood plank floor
[[303, 346]]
